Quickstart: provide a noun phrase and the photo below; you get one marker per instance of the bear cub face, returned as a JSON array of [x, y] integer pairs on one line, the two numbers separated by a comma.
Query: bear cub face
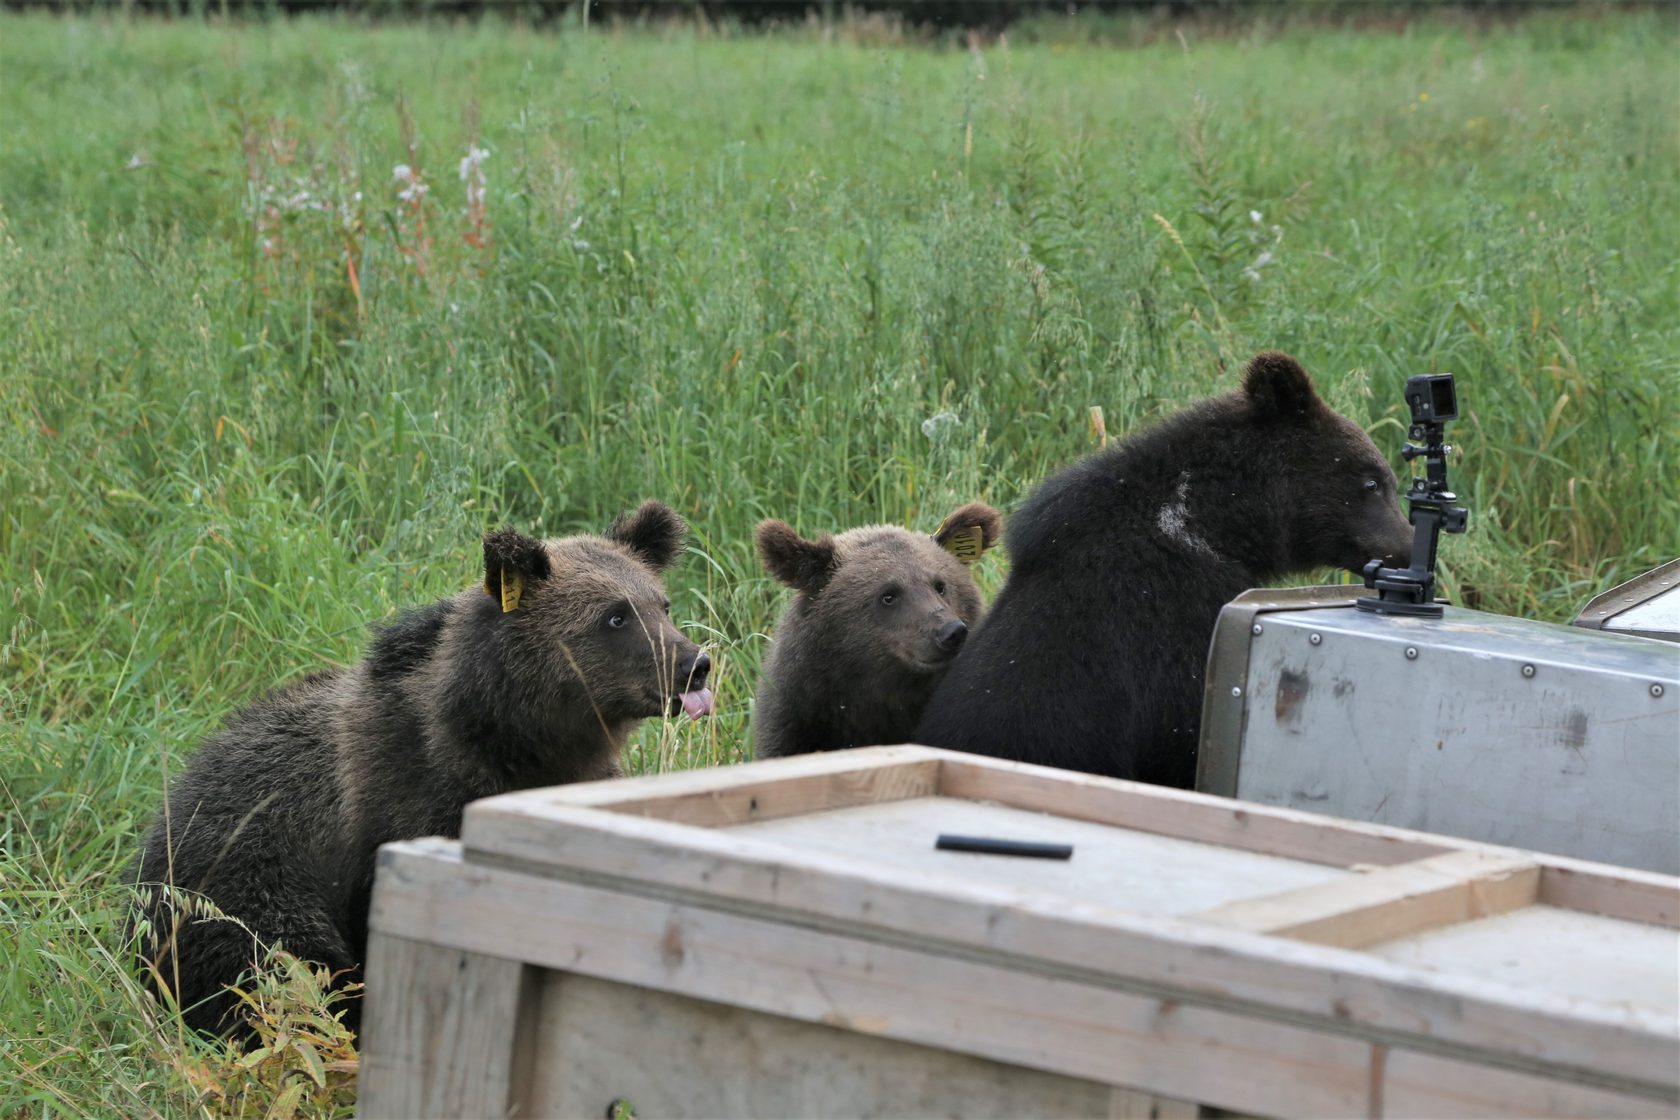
[[598, 602], [1334, 493], [880, 615], [902, 599]]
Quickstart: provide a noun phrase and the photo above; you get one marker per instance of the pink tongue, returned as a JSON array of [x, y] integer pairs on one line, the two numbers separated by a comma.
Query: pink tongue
[[697, 703]]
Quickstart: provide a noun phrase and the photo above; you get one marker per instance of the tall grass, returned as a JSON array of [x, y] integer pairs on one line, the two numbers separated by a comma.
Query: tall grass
[[260, 391]]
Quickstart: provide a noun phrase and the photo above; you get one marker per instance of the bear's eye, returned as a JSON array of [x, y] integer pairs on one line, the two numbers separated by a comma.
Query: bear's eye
[[888, 598], [939, 587], [616, 620], [1370, 486]]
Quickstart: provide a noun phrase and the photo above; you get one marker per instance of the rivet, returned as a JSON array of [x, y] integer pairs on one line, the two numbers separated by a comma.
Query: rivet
[[1237, 692], [1316, 638], [1411, 653], [1258, 628], [1656, 692], [1528, 670]]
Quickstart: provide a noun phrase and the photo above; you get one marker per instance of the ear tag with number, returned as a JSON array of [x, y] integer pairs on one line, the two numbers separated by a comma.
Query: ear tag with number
[[965, 544], [513, 586]]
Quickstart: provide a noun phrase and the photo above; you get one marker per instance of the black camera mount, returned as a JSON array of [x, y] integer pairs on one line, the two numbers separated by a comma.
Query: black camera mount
[[1411, 590]]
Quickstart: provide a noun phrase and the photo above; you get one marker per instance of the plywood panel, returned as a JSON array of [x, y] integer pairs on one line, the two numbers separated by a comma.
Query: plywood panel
[[1118, 867], [1417, 1086], [1581, 956], [447, 1032], [671, 1056]]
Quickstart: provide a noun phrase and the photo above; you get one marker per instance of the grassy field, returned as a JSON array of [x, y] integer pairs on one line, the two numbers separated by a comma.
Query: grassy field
[[260, 390]]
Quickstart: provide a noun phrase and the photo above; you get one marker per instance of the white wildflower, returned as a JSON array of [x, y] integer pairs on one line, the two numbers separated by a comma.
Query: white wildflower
[[1255, 216], [934, 426], [474, 162], [402, 173], [472, 174], [136, 162]]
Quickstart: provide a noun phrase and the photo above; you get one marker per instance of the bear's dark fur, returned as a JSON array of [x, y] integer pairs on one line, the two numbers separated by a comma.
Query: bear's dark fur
[[276, 818], [881, 612], [1092, 656]]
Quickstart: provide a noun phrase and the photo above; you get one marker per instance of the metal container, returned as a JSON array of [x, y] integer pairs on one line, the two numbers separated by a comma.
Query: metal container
[[1646, 606], [1492, 728]]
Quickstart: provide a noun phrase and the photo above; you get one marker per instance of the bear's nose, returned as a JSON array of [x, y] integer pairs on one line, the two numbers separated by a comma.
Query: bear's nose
[[951, 635], [698, 672]]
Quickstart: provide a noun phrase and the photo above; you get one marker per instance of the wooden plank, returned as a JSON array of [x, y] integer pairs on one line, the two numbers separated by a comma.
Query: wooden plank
[[1423, 1086], [1165, 991], [1390, 902], [757, 791], [447, 1032], [1074, 1029], [1569, 952], [1186, 815], [1142, 871], [1615, 892], [672, 1056], [1129, 1104], [1359, 993]]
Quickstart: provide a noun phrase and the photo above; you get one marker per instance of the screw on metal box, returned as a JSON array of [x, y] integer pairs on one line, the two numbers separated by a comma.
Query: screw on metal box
[[1528, 670], [1411, 653], [1656, 692], [1316, 638], [1237, 692]]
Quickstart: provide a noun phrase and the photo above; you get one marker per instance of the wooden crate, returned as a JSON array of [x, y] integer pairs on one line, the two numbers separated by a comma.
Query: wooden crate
[[782, 939]]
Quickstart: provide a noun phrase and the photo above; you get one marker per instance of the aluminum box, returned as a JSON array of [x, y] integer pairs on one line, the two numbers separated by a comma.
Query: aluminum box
[[1491, 728], [1646, 606]]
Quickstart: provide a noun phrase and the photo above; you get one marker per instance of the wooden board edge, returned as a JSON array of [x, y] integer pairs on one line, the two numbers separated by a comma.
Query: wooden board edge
[[1390, 902], [1176, 960], [1188, 816], [1614, 892], [752, 791]]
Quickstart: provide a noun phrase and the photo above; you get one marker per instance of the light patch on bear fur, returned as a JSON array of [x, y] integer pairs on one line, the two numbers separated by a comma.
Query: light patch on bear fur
[[1174, 520]]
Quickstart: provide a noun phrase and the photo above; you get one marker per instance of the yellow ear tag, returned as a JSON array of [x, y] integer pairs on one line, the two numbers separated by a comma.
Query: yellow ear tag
[[513, 586], [966, 544]]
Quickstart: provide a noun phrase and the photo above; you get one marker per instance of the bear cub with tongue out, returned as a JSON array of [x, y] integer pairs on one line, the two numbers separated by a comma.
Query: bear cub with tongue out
[[880, 614], [535, 679]]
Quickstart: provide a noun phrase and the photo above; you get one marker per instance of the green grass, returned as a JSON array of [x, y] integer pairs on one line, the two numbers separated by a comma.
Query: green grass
[[744, 275]]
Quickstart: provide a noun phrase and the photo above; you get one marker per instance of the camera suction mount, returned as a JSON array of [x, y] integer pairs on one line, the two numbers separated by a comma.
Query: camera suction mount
[[1411, 590]]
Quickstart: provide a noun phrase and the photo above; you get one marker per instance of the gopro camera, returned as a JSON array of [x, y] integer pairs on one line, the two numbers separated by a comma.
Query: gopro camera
[[1411, 590], [1432, 398]]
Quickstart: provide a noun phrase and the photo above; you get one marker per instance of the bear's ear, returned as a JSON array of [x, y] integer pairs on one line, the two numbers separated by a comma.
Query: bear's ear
[[654, 533], [511, 560], [1278, 388], [801, 564], [969, 531]]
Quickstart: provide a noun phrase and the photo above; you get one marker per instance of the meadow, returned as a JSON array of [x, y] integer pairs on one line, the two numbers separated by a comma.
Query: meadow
[[294, 311]]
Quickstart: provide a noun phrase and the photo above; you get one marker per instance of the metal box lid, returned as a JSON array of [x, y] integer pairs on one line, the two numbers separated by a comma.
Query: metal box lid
[[1647, 606], [1499, 729]]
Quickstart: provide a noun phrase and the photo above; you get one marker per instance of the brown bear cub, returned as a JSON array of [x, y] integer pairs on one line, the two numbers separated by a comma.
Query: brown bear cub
[[880, 615], [1093, 654], [533, 680]]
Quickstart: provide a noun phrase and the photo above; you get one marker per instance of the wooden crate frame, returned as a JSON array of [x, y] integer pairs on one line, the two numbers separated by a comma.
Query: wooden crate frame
[[1262, 1005]]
